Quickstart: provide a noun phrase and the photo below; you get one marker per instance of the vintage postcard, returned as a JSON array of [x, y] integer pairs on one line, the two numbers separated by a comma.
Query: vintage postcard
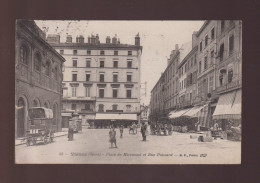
[[128, 92]]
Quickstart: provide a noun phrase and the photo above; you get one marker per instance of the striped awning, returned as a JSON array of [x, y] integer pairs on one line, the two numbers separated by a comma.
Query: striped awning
[[116, 116], [194, 112], [229, 106], [236, 107], [179, 113]]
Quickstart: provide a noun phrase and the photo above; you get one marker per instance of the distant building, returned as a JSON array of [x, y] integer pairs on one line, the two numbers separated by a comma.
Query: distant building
[[165, 94], [38, 72], [188, 79], [145, 113], [101, 81]]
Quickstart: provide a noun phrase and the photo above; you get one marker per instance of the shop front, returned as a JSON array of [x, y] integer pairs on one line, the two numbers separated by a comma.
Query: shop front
[[107, 120], [227, 115]]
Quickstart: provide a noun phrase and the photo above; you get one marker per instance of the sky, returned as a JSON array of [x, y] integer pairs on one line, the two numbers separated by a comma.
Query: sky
[[158, 39]]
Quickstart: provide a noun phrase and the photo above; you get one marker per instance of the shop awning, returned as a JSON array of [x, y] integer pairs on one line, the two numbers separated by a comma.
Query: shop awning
[[194, 111], [178, 113], [79, 99], [236, 107], [66, 114], [224, 107], [117, 116]]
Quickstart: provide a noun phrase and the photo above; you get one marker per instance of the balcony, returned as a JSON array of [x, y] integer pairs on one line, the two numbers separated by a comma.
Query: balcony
[[87, 110], [79, 98], [229, 87]]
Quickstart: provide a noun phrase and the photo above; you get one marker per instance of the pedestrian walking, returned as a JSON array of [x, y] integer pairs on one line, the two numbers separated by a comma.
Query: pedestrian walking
[[121, 131], [70, 133], [143, 131], [112, 137]]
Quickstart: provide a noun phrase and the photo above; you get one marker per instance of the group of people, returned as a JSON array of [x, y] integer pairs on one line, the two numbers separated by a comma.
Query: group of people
[[112, 134], [159, 128]]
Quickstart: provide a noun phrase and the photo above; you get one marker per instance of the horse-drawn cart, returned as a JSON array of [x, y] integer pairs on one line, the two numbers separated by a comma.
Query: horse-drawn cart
[[40, 120]]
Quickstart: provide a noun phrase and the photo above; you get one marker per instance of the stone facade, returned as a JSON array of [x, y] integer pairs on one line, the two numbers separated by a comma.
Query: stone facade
[[100, 77], [211, 68], [38, 69]]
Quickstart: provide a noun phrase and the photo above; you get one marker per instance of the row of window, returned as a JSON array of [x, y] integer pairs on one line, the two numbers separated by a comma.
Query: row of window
[[101, 63], [189, 64], [102, 77], [100, 107], [102, 52], [212, 35], [101, 92], [206, 39], [37, 64], [221, 54]]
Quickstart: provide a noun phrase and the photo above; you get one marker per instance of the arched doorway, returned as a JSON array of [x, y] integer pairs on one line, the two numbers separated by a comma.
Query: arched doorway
[[21, 117], [46, 104], [36, 103]]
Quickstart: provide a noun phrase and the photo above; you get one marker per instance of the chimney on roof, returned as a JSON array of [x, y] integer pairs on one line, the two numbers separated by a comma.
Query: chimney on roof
[[176, 47], [69, 39], [194, 39], [137, 40], [114, 40], [108, 40], [88, 39], [173, 52], [97, 38], [93, 39], [53, 38], [80, 39]]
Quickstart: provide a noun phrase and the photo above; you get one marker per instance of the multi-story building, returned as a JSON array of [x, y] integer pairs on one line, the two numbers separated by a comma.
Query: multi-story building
[[206, 38], [165, 94], [157, 101], [100, 80], [209, 77], [229, 71], [38, 75], [170, 87], [145, 112], [188, 79]]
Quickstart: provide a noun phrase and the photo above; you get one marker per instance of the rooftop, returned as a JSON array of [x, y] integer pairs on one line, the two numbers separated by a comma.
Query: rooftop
[[95, 45]]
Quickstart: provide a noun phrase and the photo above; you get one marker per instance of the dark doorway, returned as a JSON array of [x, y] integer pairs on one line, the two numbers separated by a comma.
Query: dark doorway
[[21, 115]]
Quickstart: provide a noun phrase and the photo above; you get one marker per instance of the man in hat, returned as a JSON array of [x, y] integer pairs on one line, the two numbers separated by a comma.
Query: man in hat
[[121, 131], [143, 131], [112, 137]]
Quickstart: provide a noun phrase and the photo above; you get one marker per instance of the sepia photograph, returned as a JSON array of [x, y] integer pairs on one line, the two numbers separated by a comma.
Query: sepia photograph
[[128, 92]]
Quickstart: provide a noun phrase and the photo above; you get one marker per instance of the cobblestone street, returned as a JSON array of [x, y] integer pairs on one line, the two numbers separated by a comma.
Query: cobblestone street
[[91, 146]]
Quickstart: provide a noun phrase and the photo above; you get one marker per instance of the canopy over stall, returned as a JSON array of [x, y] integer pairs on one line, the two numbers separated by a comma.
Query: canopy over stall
[[40, 112], [236, 107], [66, 114], [194, 112], [176, 114], [229, 106], [118, 116]]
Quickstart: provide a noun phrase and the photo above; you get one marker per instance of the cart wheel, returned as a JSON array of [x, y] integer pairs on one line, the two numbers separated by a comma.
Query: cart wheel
[[45, 140], [28, 142], [34, 141], [51, 137]]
